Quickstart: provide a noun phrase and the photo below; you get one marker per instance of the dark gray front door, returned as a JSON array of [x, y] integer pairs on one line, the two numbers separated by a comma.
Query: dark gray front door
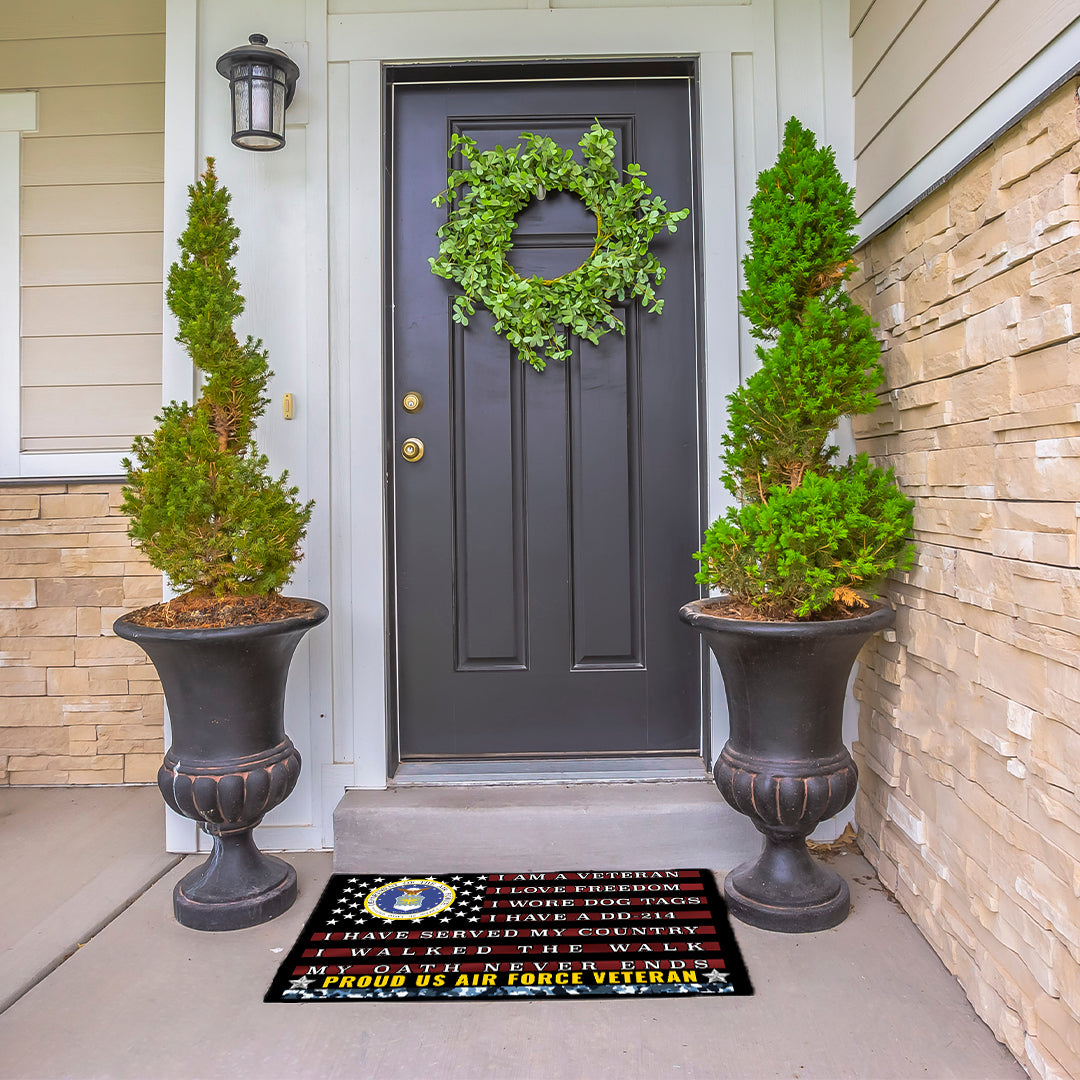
[[542, 544]]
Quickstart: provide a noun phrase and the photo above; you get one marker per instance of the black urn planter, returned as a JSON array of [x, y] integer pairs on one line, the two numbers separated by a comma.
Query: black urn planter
[[785, 764], [230, 762]]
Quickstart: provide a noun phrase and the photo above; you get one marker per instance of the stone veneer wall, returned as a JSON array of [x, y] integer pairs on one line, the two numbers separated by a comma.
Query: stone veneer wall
[[78, 705], [969, 747]]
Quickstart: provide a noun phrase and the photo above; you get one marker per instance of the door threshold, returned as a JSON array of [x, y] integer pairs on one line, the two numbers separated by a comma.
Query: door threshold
[[609, 770]]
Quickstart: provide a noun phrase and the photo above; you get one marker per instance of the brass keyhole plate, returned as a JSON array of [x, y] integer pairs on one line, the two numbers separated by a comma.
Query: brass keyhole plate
[[412, 449], [412, 402]]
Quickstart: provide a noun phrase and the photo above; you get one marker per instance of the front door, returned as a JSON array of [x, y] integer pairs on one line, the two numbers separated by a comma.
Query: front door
[[542, 542]]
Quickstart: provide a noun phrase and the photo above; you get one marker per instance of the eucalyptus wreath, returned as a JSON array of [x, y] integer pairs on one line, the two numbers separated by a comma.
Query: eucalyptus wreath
[[535, 315]]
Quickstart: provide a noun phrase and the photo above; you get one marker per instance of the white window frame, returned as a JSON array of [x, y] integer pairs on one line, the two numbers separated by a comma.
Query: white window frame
[[18, 114]]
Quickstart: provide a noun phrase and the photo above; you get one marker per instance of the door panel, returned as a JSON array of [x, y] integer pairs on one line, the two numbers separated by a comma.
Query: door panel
[[542, 543]]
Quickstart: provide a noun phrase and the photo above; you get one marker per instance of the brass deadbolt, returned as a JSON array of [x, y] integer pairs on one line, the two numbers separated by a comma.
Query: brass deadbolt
[[412, 402], [412, 449]]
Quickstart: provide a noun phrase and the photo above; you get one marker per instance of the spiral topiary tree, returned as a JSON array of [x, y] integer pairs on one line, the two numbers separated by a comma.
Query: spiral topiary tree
[[202, 507], [808, 535]]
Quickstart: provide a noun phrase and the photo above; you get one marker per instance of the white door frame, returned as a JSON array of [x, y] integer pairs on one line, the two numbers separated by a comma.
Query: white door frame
[[738, 124]]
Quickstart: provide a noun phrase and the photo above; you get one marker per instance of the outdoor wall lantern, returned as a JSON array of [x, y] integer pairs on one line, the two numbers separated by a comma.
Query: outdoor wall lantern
[[262, 81]]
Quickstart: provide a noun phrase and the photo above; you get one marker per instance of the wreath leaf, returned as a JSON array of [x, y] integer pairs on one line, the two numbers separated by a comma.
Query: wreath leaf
[[535, 314]]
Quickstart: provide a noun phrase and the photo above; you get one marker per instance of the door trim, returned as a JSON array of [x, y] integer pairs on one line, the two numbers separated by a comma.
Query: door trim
[[646, 765], [735, 48]]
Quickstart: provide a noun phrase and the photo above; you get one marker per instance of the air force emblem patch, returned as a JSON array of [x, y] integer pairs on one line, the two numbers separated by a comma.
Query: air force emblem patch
[[409, 898]]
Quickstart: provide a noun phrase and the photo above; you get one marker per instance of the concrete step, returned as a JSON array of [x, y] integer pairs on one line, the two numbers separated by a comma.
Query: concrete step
[[507, 827]]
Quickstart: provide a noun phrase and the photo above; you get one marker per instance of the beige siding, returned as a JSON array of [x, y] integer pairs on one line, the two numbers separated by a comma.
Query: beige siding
[[104, 413], [877, 34], [74, 310], [102, 208], [93, 159], [104, 360], [89, 61], [901, 65], [921, 68], [859, 8], [99, 110], [91, 259], [91, 218], [78, 18]]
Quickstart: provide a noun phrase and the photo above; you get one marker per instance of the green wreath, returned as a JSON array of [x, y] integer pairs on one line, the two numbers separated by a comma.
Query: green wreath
[[536, 315]]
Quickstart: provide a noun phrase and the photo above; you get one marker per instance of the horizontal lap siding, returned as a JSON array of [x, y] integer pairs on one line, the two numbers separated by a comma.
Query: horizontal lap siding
[[43, 19], [92, 259], [859, 9], [73, 209], [101, 360], [877, 32], [124, 59], [921, 67], [91, 218]]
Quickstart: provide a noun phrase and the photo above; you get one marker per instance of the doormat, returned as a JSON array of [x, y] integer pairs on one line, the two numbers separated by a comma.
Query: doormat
[[549, 935]]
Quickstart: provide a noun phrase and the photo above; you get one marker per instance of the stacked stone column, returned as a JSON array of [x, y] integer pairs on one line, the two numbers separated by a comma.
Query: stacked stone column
[[969, 748], [77, 704]]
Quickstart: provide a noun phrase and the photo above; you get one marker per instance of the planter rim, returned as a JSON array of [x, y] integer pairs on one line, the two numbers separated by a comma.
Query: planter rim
[[880, 615], [125, 628]]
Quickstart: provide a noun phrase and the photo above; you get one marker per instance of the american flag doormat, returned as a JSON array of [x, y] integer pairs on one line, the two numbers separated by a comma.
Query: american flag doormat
[[394, 937]]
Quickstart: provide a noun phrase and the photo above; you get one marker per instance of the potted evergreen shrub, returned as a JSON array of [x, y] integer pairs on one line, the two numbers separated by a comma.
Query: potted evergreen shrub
[[227, 535], [808, 539]]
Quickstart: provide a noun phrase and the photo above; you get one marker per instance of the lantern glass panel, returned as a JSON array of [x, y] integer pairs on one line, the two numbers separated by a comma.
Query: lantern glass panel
[[262, 105], [279, 108], [241, 105]]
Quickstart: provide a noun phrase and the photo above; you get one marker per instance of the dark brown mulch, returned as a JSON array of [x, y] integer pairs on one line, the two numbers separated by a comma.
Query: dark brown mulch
[[219, 612], [728, 608]]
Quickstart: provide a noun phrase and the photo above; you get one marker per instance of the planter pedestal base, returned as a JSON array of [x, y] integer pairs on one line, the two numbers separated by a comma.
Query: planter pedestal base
[[785, 889], [237, 887]]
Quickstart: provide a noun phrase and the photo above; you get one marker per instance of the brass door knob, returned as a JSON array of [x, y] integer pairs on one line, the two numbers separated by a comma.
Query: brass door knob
[[412, 449], [412, 401]]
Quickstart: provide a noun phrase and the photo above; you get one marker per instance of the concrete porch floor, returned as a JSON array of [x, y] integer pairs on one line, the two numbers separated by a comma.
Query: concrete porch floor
[[85, 874]]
